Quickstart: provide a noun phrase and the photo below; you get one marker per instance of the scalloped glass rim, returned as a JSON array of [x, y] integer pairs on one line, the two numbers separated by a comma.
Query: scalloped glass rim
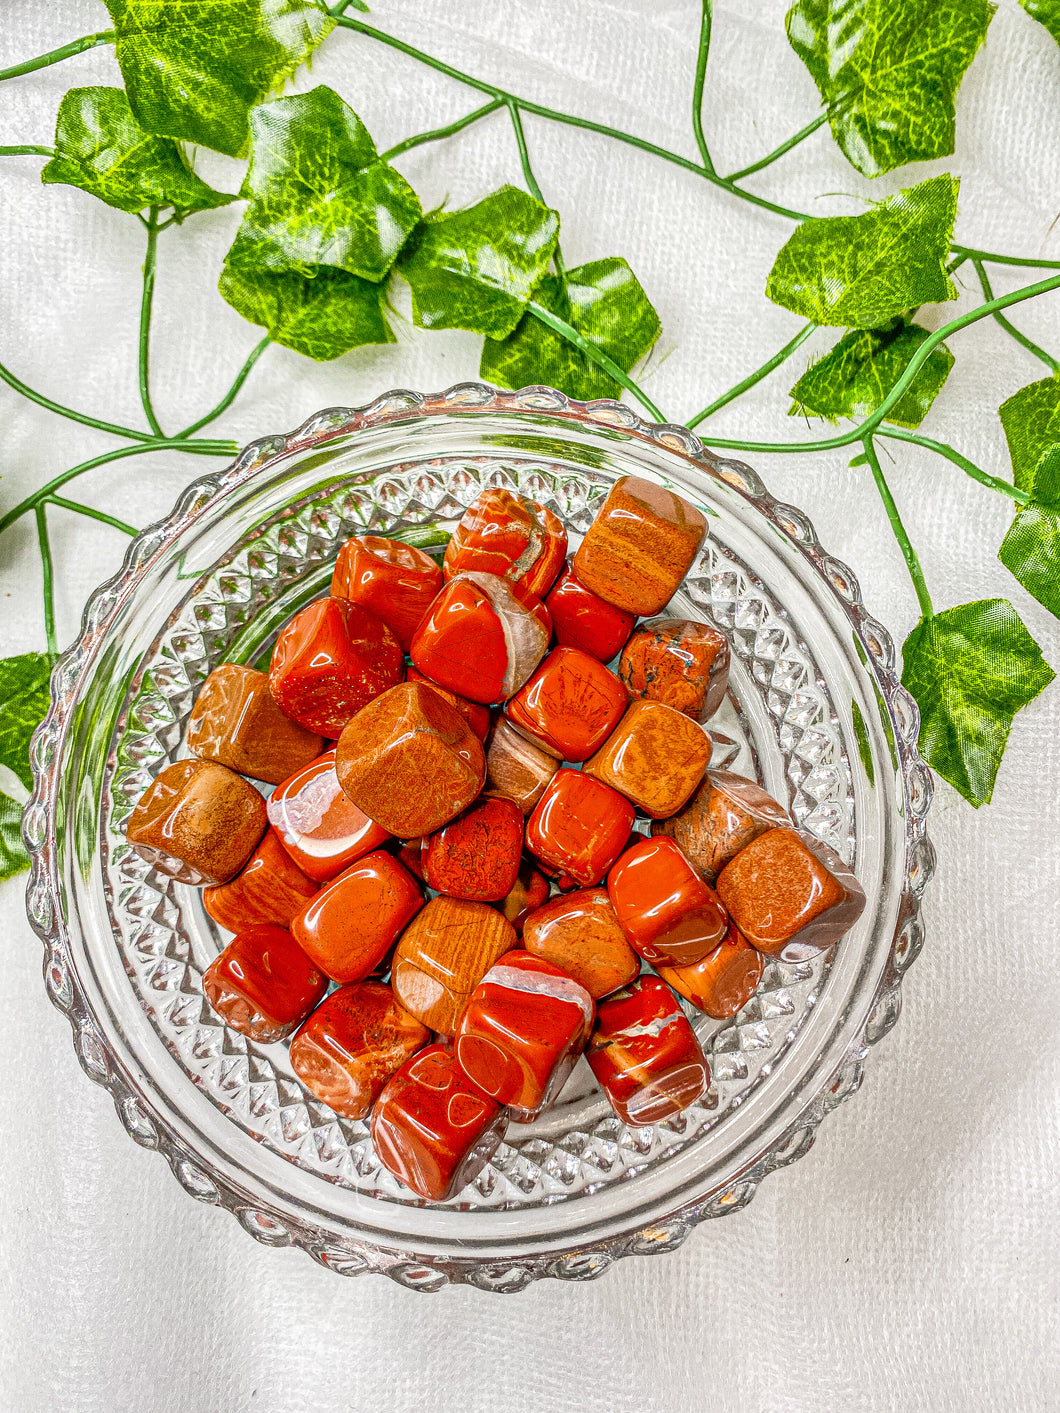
[[426, 1248]]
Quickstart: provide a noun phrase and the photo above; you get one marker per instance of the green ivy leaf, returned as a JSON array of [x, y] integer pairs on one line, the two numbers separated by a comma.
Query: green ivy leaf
[[1047, 13], [318, 193], [104, 151], [13, 856], [888, 72], [863, 271], [1031, 549], [24, 698], [477, 268], [854, 377], [322, 316], [1031, 419], [970, 669], [193, 69], [604, 301]]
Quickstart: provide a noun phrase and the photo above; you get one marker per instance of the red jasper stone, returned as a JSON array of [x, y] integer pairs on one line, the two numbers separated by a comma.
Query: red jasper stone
[[721, 818], [570, 705], [235, 720], [663, 905], [522, 1030], [579, 826], [477, 854], [579, 933], [318, 824], [392, 580], [432, 1129], [655, 756], [508, 535], [411, 855], [351, 1045], [348, 927], [584, 621], [482, 637], [263, 984], [476, 715], [516, 768], [722, 982], [528, 894], [678, 662], [331, 660], [645, 1055], [443, 955], [271, 889], [197, 821]]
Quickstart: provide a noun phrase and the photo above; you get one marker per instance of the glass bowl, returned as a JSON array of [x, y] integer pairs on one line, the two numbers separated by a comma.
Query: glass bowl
[[815, 712]]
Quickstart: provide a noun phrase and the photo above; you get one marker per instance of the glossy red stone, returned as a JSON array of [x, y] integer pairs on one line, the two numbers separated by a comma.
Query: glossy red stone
[[351, 1045], [721, 818], [197, 821], [475, 714], [570, 705], [236, 721], [517, 768], [392, 580], [655, 756], [645, 1055], [528, 893], [523, 1028], [432, 1129], [318, 824], [511, 536], [582, 620], [579, 827], [477, 854], [482, 637], [271, 889], [678, 662], [263, 984], [580, 933], [722, 982], [663, 905], [443, 955], [348, 927], [331, 660]]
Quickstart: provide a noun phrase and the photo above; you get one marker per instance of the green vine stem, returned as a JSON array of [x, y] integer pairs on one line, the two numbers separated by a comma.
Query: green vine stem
[[150, 260], [83, 417], [1021, 338], [48, 579], [524, 155], [1005, 488], [912, 559], [593, 352], [232, 393], [28, 150], [781, 356], [706, 23], [55, 56], [93, 514], [436, 134], [780, 151]]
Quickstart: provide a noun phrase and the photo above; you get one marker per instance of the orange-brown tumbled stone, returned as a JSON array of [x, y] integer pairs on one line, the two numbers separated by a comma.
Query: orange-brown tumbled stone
[[655, 757], [580, 934], [236, 722], [442, 956], [516, 768], [640, 546], [721, 818], [410, 761], [722, 982], [531, 890], [198, 821], [678, 662]]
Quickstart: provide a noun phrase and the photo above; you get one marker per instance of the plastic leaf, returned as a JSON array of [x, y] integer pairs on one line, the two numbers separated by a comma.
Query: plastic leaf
[[970, 669], [863, 271], [104, 150], [477, 268], [888, 72], [1031, 419], [1031, 549], [1047, 13], [193, 69], [13, 856], [24, 698], [854, 377], [604, 301], [322, 316]]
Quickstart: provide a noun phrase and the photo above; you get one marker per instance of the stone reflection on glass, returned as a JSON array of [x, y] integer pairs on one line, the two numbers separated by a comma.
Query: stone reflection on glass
[[263, 984]]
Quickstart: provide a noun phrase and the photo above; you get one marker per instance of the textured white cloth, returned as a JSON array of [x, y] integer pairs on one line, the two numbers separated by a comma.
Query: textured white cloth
[[910, 1261]]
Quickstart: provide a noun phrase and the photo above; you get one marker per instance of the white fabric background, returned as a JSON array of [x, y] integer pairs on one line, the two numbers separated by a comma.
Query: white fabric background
[[910, 1261]]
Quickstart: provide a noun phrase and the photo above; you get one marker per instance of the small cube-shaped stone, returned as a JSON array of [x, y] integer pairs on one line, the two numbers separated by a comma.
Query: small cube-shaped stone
[[655, 757], [570, 705], [579, 827], [645, 1055], [410, 761], [516, 768], [263, 984], [511, 536], [271, 889], [678, 662], [640, 546], [477, 716], [432, 1129], [356, 918], [528, 893], [665, 909], [579, 933], [351, 1045], [395, 581], [331, 660], [318, 824], [722, 982], [236, 722], [477, 854], [198, 822], [790, 895], [585, 621], [443, 955], [721, 818], [522, 1029]]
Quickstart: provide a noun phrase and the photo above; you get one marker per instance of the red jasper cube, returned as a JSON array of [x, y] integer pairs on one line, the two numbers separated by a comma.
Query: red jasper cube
[[522, 1030], [271, 889], [663, 905], [580, 933], [482, 637], [508, 535], [722, 982], [581, 620], [263, 984], [529, 893], [432, 1129], [394, 581], [721, 818], [645, 1055], [318, 824], [678, 662], [236, 721], [351, 923], [477, 854], [197, 822], [515, 767], [351, 1045], [476, 715], [579, 827], [570, 705], [331, 660]]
